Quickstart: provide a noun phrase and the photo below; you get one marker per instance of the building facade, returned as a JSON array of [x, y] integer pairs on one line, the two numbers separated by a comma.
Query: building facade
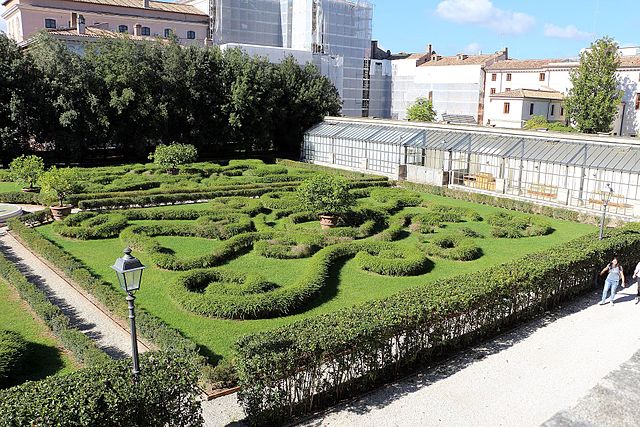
[[513, 107]]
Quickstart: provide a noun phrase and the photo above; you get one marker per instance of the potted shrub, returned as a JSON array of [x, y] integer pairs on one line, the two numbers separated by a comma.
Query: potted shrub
[[56, 184], [169, 157], [328, 195], [26, 170]]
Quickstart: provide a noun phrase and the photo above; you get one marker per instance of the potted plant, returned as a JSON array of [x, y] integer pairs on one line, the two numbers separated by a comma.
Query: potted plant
[[56, 184], [27, 170], [169, 157], [328, 195]]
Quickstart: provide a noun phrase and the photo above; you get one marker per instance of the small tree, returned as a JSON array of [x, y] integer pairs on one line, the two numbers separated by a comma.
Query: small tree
[[26, 169], [326, 194], [169, 157], [57, 183], [421, 111], [594, 98]]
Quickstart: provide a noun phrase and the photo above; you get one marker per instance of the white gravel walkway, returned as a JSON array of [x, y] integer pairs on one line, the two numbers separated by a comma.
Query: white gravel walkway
[[112, 337], [519, 379]]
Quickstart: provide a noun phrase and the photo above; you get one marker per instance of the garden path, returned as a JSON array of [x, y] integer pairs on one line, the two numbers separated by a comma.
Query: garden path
[[110, 335], [579, 356]]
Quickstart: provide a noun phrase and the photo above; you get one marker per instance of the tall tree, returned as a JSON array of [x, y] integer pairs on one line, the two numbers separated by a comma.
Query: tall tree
[[421, 111], [594, 98]]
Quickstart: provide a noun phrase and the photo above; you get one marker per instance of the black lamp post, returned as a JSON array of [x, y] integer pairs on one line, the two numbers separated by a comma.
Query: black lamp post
[[129, 272], [606, 196]]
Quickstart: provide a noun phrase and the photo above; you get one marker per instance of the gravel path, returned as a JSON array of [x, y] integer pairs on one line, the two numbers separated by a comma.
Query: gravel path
[[110, 336], [522, 378]]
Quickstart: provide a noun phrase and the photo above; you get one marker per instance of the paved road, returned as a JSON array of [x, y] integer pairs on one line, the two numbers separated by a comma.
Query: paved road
[[522, 378]]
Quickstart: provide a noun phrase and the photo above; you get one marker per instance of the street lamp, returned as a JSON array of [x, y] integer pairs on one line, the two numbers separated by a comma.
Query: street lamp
[[606, 196], [129, 272]]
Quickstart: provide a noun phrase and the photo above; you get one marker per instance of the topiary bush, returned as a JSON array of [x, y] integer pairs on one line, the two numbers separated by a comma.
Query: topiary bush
[[326, 194], [453, 246], [389, 261], [13, 349], [512, 226], [169, 157]]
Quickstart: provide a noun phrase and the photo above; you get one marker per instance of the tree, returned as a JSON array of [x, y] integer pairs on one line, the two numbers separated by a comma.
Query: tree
[[26, 169], [326, 194], [594, 98], [169, 157], [421, 111], [57, 183]]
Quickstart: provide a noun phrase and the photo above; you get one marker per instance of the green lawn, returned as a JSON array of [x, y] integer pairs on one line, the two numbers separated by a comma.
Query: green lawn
[[348, 285], [45, 355]]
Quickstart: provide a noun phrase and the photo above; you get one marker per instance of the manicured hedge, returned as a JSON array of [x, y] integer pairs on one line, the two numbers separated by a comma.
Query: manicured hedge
[[89, 225], [313, 363], [516, 226], [390, 261], [13, 349], [20, 198], [78, 343], [106, 396], [453, 246], [149, 326]]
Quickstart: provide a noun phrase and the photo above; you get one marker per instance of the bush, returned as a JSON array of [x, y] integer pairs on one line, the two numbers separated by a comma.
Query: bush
[[395, 198], [89, 225], [169, 157], [326, 194], [309, 364], [290, 246], [514, 227], [166, 394], [453, 246], [390, 261], [26, 169], [12, 351]]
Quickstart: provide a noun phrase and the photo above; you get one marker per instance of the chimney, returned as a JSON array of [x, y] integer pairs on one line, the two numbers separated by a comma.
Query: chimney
[[81, 27], [74, 20], [506, 53], [137, 30], [145, 4]]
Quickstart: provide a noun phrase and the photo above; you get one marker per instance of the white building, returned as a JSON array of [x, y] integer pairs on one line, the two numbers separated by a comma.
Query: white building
[[455, 84], [553, 74], [513, 107]]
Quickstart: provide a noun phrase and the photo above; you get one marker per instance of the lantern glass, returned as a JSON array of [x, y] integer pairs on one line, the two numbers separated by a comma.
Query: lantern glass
[[128, 271]]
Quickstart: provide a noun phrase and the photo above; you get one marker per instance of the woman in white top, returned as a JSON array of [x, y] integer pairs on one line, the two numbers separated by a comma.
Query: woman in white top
[[615, 274], [636, 275]]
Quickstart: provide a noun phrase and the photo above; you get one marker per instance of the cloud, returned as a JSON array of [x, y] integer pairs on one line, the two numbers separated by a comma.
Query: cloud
[[568, 32], [484, 13], [472, 48]]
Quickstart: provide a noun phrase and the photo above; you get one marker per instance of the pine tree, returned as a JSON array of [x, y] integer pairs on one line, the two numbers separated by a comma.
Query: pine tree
[[593, 101]]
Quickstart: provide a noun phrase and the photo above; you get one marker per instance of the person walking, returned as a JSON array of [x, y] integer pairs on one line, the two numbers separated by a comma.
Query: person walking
[[616, 274], [636, 275]]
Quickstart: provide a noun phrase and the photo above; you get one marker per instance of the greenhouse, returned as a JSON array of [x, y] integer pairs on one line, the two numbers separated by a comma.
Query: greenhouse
[[575, 170]]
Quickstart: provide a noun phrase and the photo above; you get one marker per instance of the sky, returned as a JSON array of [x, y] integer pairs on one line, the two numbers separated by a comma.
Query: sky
[[530, 29]]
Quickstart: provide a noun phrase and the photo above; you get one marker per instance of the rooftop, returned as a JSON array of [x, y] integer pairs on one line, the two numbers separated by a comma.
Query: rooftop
[[524, 64], [94, 32], [137, 4], [530, 93], [461, 59]]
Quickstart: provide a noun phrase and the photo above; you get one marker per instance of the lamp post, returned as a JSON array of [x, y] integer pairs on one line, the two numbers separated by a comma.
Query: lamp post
[[129, 272], [606, 196]]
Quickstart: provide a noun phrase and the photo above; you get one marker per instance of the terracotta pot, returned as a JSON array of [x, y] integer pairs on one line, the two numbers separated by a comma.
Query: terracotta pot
[[60, 212], [31, 190], [328, 221]]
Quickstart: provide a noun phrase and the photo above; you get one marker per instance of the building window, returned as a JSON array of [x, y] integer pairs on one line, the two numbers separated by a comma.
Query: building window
[[493, 90], [507, 89], [146, 31], [494, 77], [50, 23], [531, 109], [637, 101], [508, 77], [123, 29], [553, 109], [191, 35], [505, 109], [561, 111], [542, 77], [167, 32]]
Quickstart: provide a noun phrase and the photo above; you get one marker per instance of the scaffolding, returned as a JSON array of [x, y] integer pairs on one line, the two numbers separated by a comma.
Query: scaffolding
[[548, 168]]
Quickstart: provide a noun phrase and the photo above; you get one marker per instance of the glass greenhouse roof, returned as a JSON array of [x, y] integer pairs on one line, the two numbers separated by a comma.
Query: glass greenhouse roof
[[598, 155]]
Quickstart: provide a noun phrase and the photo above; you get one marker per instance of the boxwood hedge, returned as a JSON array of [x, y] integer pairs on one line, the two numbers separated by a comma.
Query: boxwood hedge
[[13, 348], [311, 364]]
